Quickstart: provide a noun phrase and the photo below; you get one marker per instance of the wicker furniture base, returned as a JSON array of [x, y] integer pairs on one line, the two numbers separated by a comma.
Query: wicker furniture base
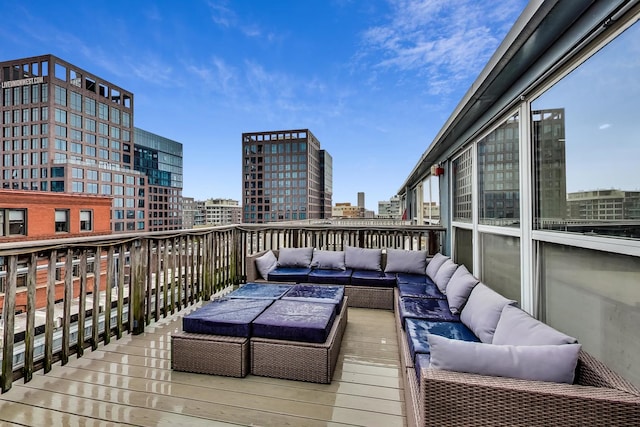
[[370, 297], [300, 361], [210, 354]]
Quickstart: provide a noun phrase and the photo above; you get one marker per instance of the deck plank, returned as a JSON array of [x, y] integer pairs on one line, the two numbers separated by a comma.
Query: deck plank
[[130, 382]]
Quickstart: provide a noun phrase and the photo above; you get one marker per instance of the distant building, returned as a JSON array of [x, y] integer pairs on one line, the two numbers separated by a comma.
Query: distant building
[[188, 212], [390, 209], [345, 210], [361, 199], [285, 176], [160, 159], [222, 212]]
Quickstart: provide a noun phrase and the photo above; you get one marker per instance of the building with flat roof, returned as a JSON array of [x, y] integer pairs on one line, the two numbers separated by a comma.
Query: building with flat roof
[[285, 176], [160, 159], [66, 130]]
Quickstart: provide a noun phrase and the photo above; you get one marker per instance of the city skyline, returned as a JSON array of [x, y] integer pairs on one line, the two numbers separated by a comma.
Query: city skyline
[[381, 82]]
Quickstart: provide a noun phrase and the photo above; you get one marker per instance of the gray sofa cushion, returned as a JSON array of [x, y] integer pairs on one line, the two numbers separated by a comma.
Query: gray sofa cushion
[[328, 260], [266, 264], [295, 257], [555, 363], [434, 264], [516, 327], [444, 275], [460, 286], [403, 261], [363, 259], [482, 311]]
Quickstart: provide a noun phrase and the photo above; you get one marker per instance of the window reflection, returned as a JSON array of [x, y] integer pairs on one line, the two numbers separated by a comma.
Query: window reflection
[[586, 146], [498, 176]]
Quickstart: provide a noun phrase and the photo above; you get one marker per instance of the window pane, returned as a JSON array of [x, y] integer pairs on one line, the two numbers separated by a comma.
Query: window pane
[[498, 176], [500, 259], [462, 169], [586, 146], [463, 250], [585, 291]]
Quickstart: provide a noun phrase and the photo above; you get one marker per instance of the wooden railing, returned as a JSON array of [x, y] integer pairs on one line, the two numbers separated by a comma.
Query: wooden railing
[[59, 297]]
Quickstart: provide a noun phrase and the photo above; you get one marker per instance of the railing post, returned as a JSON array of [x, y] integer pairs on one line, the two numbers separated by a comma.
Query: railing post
[[137, 283], [8, 319]]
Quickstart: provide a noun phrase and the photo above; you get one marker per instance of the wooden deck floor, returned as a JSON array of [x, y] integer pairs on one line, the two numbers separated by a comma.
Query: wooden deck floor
[[130, 382]]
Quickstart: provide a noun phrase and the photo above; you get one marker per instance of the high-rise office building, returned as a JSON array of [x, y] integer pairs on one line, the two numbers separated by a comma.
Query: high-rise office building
[[160, 159], [285, 176], [361, 199], [67, 130]]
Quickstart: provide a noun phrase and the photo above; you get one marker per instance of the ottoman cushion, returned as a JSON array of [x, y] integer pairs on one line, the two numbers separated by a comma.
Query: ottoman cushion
[[230, 317], [332, 294], [260, 291], [295, 321]]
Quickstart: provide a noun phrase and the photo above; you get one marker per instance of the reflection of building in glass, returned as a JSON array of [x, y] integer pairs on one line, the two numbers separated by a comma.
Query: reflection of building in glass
[[285, 176], [604, 205], [548, 127], [462, 186], [498, 176], [431, 213]]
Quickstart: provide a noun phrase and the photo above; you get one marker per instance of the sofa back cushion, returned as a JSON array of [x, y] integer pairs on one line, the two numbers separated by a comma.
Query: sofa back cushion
[[266, 264], [482, 311], [328, 260], [403, 261], [363, 259], [434, 264], [295, 257], [444, 274], [459, 288], [516, 327], [555, 363]]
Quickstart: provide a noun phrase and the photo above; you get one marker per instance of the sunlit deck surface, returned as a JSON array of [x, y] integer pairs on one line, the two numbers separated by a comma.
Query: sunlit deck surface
[[130, 382]]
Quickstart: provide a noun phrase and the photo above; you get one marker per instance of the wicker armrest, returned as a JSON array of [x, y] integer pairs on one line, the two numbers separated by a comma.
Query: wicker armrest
[[253, 275], [454, 398]]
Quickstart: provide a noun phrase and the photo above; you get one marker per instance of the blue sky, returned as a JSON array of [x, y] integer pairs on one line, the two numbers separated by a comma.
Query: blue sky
[[374, 80]]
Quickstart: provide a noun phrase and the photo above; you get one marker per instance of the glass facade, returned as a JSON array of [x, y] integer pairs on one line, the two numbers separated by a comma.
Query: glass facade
[[160, 159], [562, 237]]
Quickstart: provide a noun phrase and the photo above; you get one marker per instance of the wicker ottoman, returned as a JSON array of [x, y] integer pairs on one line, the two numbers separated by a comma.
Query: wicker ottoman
[[210, 354], [300, 361]]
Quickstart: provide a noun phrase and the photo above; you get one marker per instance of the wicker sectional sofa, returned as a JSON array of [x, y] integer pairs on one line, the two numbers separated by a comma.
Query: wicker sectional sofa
[[471, 357]]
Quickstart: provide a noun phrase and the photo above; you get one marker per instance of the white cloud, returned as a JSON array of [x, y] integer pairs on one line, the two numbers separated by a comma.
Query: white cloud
[[444, 41], [604, 126]]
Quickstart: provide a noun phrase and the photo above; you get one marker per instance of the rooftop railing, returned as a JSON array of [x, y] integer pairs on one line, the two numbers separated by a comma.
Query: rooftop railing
[[60, 297]]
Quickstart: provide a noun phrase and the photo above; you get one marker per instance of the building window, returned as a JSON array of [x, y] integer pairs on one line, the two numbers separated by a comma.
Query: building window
[[86, 220], [62, 221], [13, 222]]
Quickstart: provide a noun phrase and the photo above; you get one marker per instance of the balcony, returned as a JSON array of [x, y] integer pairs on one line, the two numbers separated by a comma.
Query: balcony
[[87, 324]]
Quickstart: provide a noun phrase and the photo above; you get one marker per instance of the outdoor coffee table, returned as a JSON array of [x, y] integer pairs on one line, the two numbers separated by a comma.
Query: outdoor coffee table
[[292, 358], [215, 337]]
